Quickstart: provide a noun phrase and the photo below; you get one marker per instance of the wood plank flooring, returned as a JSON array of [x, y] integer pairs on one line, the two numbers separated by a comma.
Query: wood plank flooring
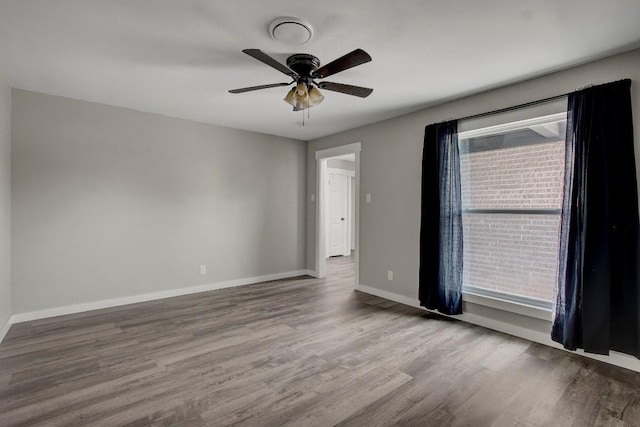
[[300, 352]]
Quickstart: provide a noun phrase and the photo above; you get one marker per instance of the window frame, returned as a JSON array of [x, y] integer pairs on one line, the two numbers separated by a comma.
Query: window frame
[[507, 122]]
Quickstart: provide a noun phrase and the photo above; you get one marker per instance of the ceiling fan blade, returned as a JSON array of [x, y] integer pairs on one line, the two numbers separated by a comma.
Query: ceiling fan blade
[[350, 60], [266, 59], [360, 91], [249, 89]]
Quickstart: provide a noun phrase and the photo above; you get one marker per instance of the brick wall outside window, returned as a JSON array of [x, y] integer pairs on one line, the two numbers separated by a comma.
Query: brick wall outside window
[[512, 253]]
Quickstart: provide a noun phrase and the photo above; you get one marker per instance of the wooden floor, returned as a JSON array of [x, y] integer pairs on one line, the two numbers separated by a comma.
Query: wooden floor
[[302, 352]]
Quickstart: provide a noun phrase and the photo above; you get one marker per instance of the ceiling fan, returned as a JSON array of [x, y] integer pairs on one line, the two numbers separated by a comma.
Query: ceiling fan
[[304, 70]]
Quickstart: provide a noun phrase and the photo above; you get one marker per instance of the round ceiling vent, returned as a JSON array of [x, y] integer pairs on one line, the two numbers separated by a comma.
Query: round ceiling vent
[[291, 31]]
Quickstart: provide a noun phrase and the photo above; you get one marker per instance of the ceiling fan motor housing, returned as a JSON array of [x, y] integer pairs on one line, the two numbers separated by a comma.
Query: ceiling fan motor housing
[[303, 64]]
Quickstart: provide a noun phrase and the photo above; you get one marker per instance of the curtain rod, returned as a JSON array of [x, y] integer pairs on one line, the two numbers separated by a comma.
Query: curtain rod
[[515, 107], [532, 103]]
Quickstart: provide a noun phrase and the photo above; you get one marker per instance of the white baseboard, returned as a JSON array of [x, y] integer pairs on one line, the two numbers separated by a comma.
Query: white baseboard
[[96, 305], [389, 295], [615, 358], [4, 328]]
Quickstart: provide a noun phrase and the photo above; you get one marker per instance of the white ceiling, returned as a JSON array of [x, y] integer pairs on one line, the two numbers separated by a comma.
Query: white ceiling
[[179, 58]]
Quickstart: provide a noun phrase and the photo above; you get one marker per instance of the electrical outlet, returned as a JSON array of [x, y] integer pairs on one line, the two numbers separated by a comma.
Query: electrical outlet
[[390, 275], [203, 270]]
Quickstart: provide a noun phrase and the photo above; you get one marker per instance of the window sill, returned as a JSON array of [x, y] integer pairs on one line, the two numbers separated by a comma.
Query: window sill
[[510, 306]]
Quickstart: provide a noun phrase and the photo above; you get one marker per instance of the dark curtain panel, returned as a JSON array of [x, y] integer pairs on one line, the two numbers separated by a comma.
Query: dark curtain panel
[[441, 221], [598, 305]]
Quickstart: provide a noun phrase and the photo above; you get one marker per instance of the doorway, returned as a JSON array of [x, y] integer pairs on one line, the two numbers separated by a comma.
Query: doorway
[[337, 210], [339, 201]]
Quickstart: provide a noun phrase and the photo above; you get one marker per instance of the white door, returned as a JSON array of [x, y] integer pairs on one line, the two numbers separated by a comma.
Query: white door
[[352, 215], [337, 214]]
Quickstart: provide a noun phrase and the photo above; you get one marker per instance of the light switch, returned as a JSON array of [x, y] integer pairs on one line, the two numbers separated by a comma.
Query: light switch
[[368, 198]]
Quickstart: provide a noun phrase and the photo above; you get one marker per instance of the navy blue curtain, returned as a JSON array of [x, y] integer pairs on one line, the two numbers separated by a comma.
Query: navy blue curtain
[[598, 298], [441, 220]]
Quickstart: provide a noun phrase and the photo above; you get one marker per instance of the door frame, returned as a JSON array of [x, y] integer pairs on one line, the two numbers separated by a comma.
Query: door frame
[[321, 179]]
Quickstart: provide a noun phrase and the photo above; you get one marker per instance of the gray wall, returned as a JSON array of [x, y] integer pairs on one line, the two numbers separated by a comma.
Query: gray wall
[[110, 202], [391, 169], [5, 201]]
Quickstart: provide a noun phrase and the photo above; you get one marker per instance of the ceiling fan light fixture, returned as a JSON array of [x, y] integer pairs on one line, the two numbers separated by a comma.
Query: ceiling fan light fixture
[[301, 91], [315, 97], [291, 31], [302, 97], [298, 97], [291, 97], [301, 104]]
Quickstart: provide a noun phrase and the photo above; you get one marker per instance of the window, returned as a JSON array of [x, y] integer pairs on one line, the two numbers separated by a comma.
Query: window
[[512, 180]]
